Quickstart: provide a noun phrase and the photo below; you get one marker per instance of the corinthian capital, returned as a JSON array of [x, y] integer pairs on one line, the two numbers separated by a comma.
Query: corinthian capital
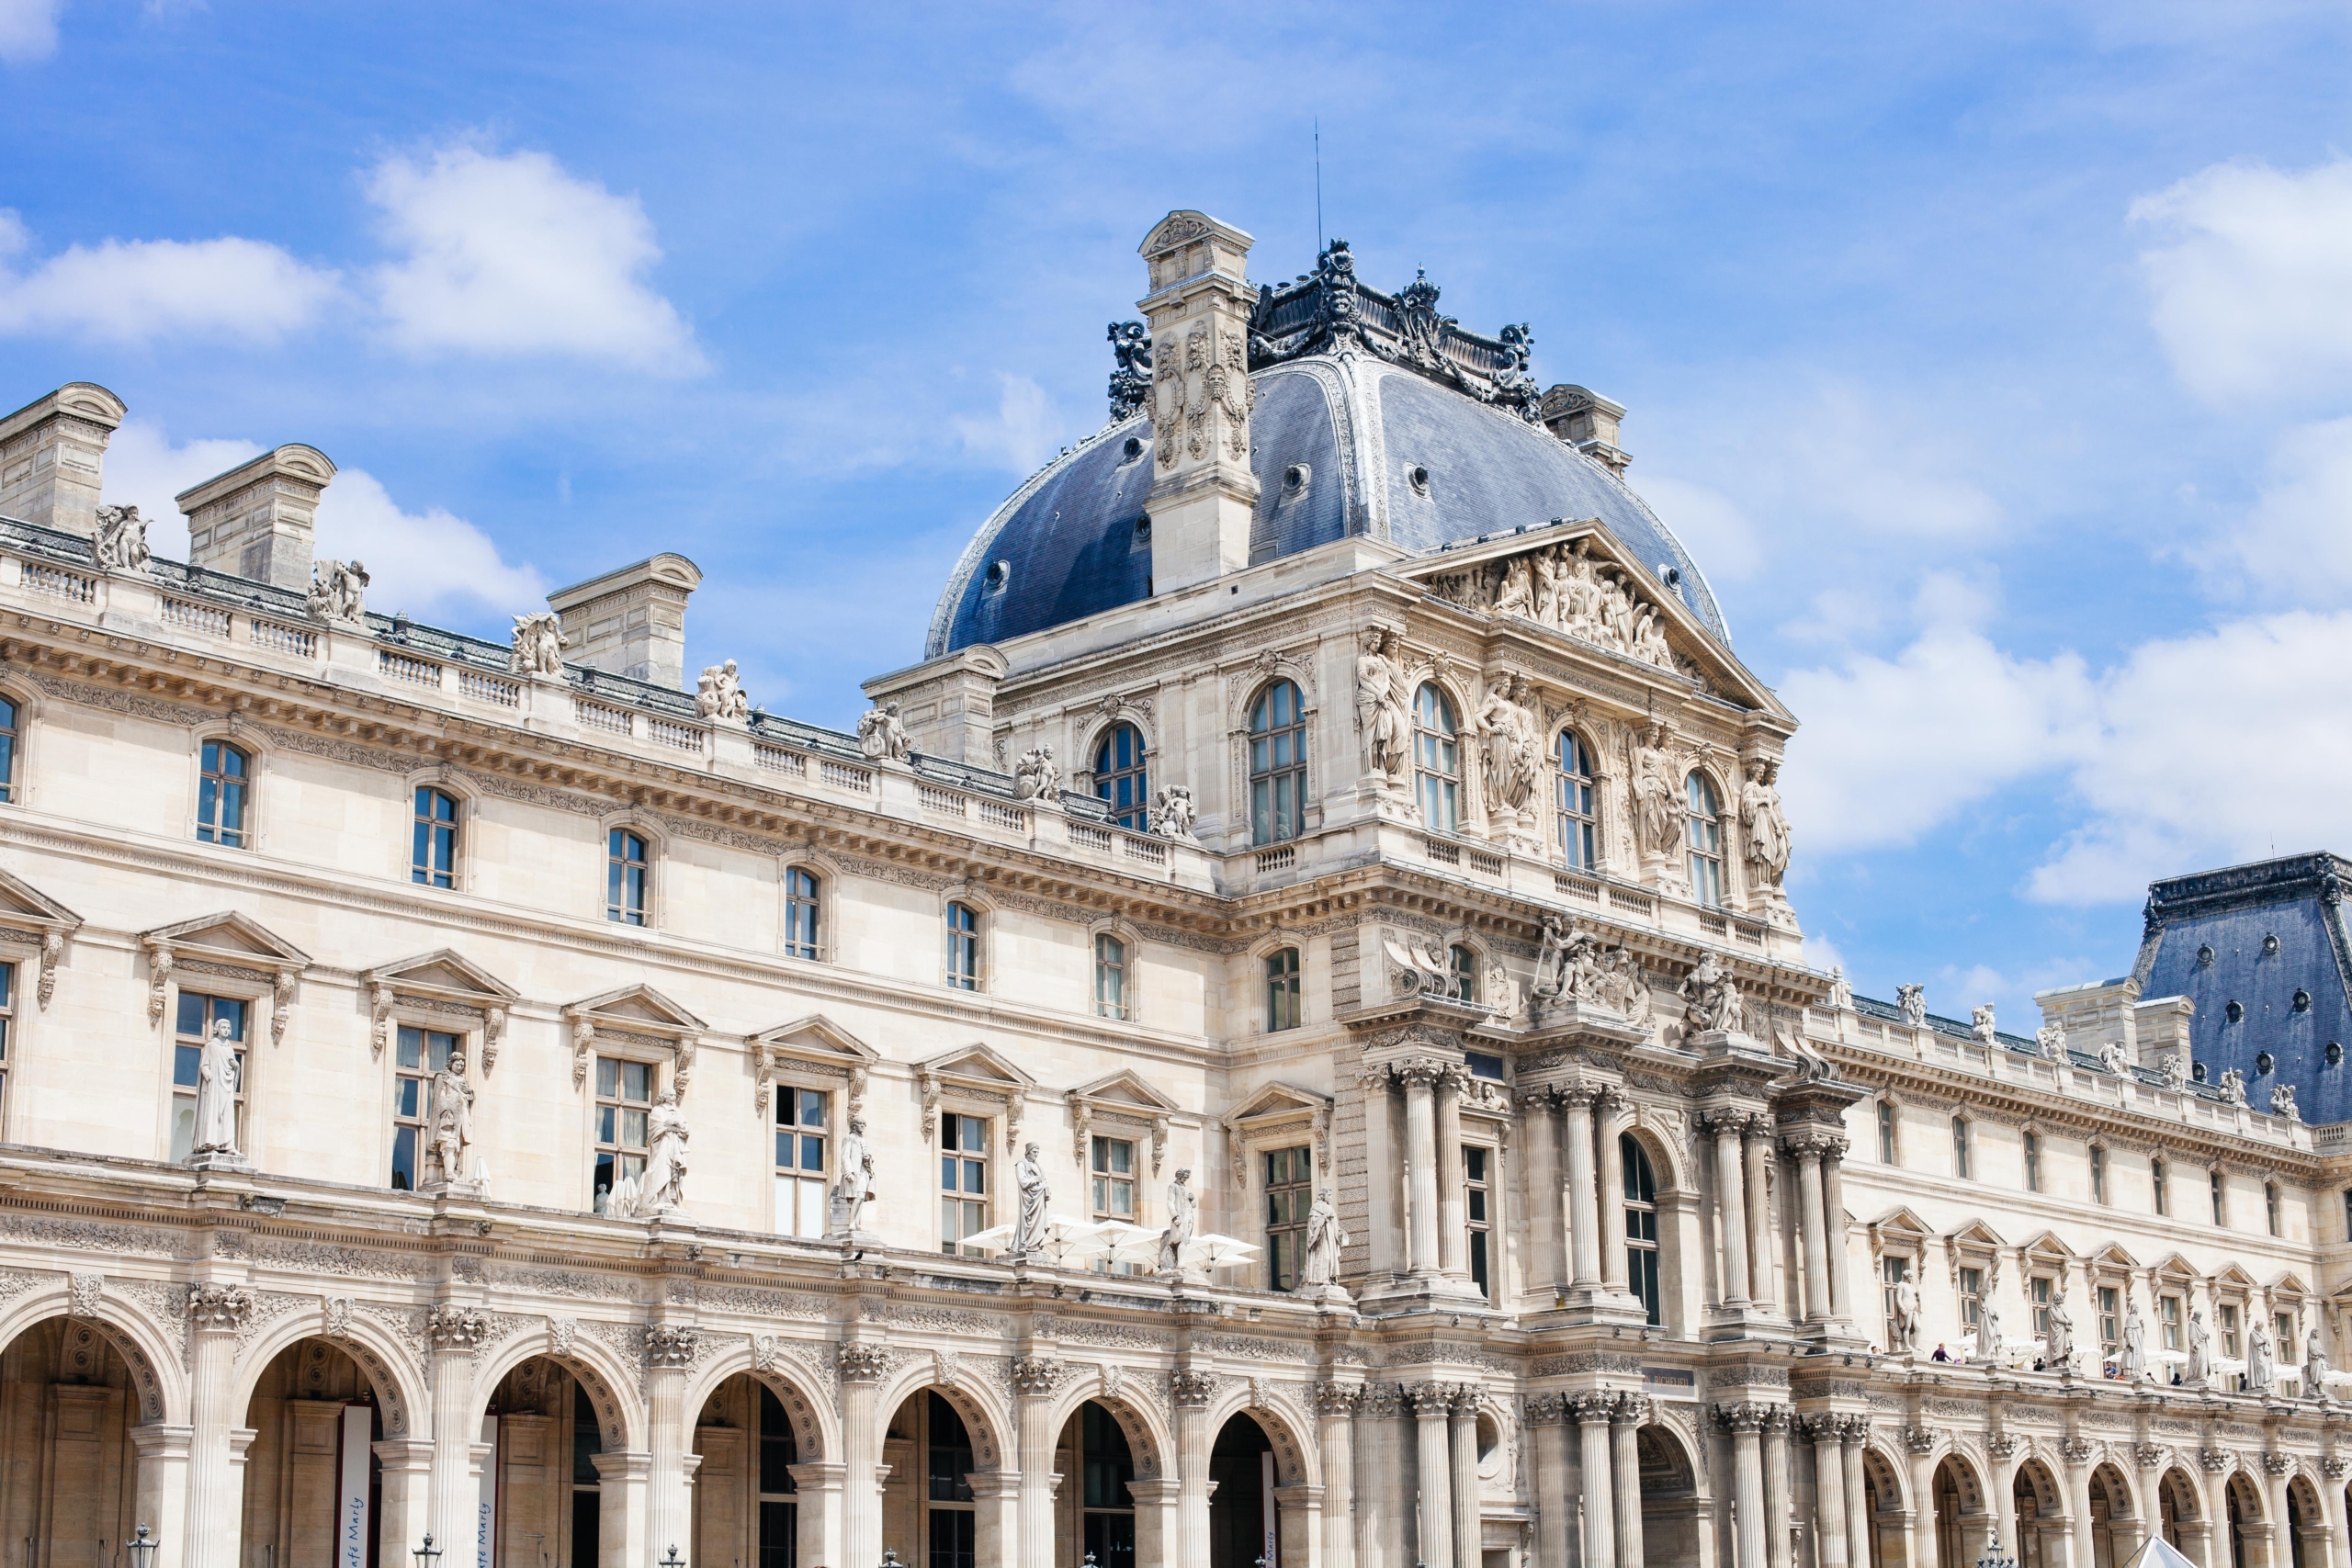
[[671, 1345], [457, 1328], [1339, 1399], [1741, 1415], [1630, 1410], [219, 1309], [1192, 1390], [1035, 1375], [862, 1363]]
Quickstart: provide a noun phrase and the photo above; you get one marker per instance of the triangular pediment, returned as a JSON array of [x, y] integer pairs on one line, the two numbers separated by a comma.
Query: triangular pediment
[[2111, 1256], [2234, 1276], [1976, 1234], [229, 935], [817, 1037], [1129, 1088], [640, 1005], [2287, 1284], [1901, 1221], [1277, 1100], [2048, 1245], [444, 973], [23, 905], [2175, 1267], [977, 1063]]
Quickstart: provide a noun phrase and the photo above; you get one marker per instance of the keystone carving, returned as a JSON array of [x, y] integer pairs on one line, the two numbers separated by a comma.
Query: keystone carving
[[82, 1293]]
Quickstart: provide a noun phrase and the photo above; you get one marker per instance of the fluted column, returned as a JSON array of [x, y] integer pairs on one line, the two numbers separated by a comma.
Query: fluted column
[[1744, 1422], [2278, 1547], [1757, 1136], [215, 1500], [2339, 1516], [1546, 1246], [1432, 1403], [1584, 1202], [1625, 1418], [2216, 1508], [1420, 1155], [1453, 1237], [1833, 1229], [1855, 1432], [2077, 1455], [1383, 1508], [1609, 1224], [2003, 1447], [160, 1489], [1192, 1392], [1033, 1390], [1828, 1491], [860, 1366], [1335, 1409], [1811, 1237], [453, 1493], [1591, 1410], [1777, 1505], [1731, 1205], [1469, 1534], [406, 1466], [1921, 1443], [2147, 1517], [669, 1352], [1555, 1503]]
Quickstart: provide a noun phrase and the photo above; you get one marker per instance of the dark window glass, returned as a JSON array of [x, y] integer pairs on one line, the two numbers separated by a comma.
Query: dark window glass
[[1110, 977], [419, 1054], [433, 852], [1277, 764], [221, 794], [799, 913], [1706, 836], [197, 1015], [1121, 777], [7, 750], [1290, 1193], [950, 1452], [1479, 1211], [625, 877], [1578, 823], [1282, 989], [1436, 762], [1641, 1224], [1464, 963], [963, 947], [1107, 1466], [779, 1451]]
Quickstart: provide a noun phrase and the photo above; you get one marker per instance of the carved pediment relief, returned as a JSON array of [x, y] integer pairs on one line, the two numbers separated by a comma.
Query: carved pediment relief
[[1900, 1230], [27, 913], [981, 1072], [815, 1041], [228, 942], [633, 1014], [444, 981], [1123, 1096]]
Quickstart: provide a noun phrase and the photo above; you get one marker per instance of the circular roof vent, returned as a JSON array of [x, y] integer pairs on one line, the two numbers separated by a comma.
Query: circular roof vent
[[2234, 1012], [999, 572], [2265, 1063], [2303, 999]]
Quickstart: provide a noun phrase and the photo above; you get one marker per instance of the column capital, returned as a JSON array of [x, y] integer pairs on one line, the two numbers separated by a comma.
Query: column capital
[[1539, 1099], [1431, 1399], [454, 1329], [1578, 1096], [1591, 1407], [1779, 1418], [1606, 1098], [2333, 1466], [1821, 1425], [2075, 1451], [1190, 1390], [1920, 1440], [1545, 1409], [1810, 1146], [1630, 1410], [1854, 1429], [219, 1309], [2000, 1445], [1417, 1072], [1338, 1399], [1741, 1415], [1383, 1402], [671, 1345], [2215, 1461], [1721, 1121], [2148, 1456], [1761, 1127], [1467, 1398], [862, 1363], [1036, 1376], [2274, 1463]]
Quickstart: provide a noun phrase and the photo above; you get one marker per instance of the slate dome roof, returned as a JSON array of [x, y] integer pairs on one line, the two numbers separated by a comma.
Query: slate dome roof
[[1375, 416]]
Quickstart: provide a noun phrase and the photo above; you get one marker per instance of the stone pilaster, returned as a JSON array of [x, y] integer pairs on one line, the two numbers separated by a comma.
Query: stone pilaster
[[216, 1498]]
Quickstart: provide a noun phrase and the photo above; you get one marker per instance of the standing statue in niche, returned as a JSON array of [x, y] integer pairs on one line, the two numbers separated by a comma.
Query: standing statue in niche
[[2198, 1339], [1913, 1001], [122, 544], [2135, 1340], [882, 735], [1764, 829], [2060, 1349], [537, 646], [1906, 1335], [1324, 1239], [2315, 1364], [1029, 1233], [1183, 1219], [1988, 1327], [1512, 755], [1381, 711], [663, 1186], [854, 1186], [1657, 792], [1711, 998], [1037, 778], [2261, 1360], [449, 1124], [217, 1074]]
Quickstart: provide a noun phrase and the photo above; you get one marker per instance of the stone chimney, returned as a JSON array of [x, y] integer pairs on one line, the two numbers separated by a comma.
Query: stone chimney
[[260, 520], [1587, 421], [1203, 492], [51, 451], [631, 621]]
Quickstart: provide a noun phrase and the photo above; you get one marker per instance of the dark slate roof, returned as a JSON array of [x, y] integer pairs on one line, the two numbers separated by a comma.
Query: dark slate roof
[[2259, 936], [1067, 539]]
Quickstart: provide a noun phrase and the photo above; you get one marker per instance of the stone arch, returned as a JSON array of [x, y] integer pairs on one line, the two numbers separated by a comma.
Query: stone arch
[[814, 1429], [2033, 1473], [1885, 1471], [2246, 1492], [382, 1360], [2042, 1509], [1668, 1160], [1280, 1420], [1148, 1442], [609, 1383], [151, 1354], [986, 1422], [1957, 1481], [2179, 1489], [2304, 1497], [2122, 1503]]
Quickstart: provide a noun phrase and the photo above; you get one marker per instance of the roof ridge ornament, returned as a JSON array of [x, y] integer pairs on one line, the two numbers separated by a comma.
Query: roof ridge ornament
[[1329, 312]]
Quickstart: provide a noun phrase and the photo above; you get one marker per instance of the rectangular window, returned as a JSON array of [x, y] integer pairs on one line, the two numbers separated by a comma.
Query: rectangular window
[[2037, 1293], [221, 794], [2282, 1334], [7, 1009], [2168, 1314], [2163, 1188], [625, 877], [2099, 1174], [200, 1016], [1479, 1214], [2228, 1313], [963, 1182], [802, 1131], [2032, 1162], [1290, 1191], [1282, 990], [2348, 1213], [1640, 1184], [419, 1054], [2111, 1321], [432, 851], [963, 947], [1959, 1161], [2270, 1205], [1110, 977], [1897, 1270], [1885, 1132], [2213, 1181], [624, 1100], [1111, 1187], [1972, 1297]]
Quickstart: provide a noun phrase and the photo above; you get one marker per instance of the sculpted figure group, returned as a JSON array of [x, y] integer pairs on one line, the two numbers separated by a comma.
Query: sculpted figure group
[[1563, 586], [719, 693], [1572, 966]]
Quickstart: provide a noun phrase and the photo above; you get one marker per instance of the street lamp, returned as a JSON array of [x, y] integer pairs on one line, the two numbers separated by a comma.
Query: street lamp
[[1993, 1556], [142, 1549], [890, 1558], [428, 1554], [673, 1559]]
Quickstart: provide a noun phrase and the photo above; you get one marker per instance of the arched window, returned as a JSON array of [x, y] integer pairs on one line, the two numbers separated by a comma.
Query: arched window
[[1120, 776], [1580, 825], [1462, 965], [963, 947], [1110, 977], [1277, 764], [433, 850], [1282, 989], [1959, 1150], [800, 910], [626, 867], [1706, 842], [1641, 1224], [221, 794], [7, 750], [1436, 762]]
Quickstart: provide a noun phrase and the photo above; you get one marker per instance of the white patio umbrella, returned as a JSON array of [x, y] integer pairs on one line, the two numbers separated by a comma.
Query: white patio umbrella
[[1062, 1235], [1116, 1241], [1215, 1251]]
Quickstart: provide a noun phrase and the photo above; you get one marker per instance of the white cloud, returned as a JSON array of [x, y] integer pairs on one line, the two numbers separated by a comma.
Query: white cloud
[[1721, 537], [1892, 747], [139, 290], [1019, 435], [2254, 291], [2294, 541], [431, 564], [509, 255], [144, 468], [28, 31]]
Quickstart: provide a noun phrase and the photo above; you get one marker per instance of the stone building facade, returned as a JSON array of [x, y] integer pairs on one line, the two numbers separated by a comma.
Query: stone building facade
[[1282, 1038]]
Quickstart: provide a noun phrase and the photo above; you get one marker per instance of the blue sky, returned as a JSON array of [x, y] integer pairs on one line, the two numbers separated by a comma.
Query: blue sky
[[1996, 361]]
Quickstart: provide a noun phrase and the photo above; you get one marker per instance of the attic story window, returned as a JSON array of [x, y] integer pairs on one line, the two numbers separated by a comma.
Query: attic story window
[[2335, 1053], [1419, 477], [1142, 539], [2269, 943]]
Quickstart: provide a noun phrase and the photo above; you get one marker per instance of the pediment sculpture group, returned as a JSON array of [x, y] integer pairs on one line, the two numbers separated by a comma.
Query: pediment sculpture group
[[1563, 586]]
